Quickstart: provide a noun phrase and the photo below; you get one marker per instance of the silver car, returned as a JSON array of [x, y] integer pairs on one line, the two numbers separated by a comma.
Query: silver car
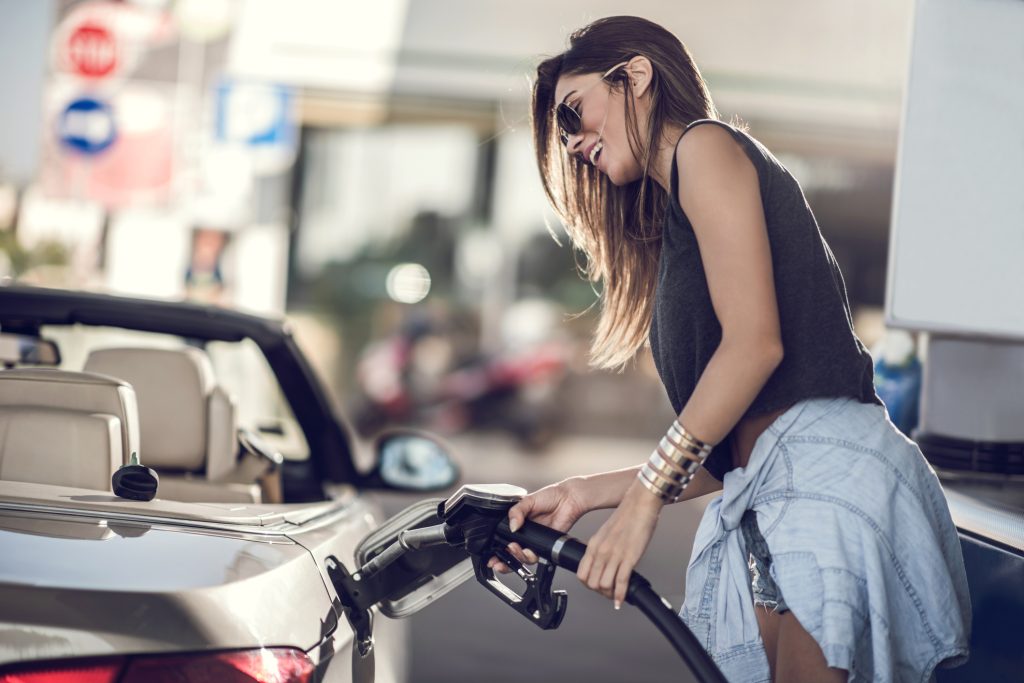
[[221, 576]]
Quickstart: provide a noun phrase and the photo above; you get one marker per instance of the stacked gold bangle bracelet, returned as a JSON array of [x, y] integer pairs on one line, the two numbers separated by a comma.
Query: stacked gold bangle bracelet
[[673, 463]]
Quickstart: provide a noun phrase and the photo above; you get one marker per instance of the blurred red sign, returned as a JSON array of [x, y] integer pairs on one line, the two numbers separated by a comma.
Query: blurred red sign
[[92, 50]]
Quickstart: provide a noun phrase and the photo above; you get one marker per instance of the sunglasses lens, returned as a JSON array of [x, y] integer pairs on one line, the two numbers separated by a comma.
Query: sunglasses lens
[[568, 121]]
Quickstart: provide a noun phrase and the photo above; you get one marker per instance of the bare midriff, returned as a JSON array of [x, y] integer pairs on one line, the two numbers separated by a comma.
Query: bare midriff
[[745, 433]]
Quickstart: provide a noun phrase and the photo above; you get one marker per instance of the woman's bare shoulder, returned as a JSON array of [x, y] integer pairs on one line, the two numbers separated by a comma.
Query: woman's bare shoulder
[[710, 157], [709, 143]]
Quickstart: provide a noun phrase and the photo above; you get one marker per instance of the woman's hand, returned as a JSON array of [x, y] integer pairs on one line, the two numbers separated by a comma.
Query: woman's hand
[[558, 506], [615, 549]]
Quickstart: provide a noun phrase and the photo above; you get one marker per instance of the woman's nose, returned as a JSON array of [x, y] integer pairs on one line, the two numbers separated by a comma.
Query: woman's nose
[[573, 143]]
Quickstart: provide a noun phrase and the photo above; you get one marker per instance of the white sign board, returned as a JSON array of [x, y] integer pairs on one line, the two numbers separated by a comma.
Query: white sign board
[[956, 256]]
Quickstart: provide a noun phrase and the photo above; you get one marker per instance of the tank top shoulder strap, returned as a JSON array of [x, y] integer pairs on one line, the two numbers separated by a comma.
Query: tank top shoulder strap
[[689, 127], [675, 169]]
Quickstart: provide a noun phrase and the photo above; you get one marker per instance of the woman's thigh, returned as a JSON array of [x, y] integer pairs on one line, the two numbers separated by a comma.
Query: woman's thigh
[[793, 655], [798, 659], [768, 623]]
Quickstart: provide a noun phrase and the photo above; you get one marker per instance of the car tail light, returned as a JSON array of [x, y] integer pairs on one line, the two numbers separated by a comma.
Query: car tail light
[[266, 665], [60, 672], [278, 665]]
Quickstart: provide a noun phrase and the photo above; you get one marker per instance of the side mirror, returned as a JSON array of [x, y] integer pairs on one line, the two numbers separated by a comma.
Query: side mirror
[[412, 461]]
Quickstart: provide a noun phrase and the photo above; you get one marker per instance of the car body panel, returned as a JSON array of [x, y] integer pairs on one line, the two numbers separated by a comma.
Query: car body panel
[[239, 517], [102, 579], [388, 633]]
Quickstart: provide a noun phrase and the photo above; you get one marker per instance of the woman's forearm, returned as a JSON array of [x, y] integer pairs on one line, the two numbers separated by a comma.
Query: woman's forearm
[[602, 490], [607, 489]]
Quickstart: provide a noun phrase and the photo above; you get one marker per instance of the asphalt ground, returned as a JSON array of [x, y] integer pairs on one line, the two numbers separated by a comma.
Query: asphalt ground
[[469, 635]]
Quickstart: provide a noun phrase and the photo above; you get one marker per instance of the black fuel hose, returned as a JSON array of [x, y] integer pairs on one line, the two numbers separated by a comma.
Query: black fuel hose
[[566, 552]]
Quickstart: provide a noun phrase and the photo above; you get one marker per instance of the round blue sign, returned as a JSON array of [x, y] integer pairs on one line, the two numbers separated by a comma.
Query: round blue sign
[[87, 126]]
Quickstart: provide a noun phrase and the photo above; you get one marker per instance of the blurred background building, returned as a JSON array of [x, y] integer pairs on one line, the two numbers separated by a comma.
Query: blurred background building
[[366, 169]]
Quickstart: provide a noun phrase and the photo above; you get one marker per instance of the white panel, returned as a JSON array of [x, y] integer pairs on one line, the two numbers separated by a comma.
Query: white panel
[[261, 265], [147, 253], [957, 246], [973, 390], [319, 43]]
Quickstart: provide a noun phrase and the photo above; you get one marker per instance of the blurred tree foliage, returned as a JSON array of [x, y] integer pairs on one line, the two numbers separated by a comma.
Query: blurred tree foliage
[[22, 260]]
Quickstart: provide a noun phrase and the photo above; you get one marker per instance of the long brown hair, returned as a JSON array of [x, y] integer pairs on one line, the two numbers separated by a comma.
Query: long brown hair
[[617, 228]]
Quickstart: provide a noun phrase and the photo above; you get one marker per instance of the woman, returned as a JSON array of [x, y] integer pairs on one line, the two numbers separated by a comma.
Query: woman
[[831, 554]]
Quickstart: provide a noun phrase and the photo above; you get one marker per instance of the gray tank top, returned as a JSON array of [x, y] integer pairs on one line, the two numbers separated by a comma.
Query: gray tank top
[[823, 356]]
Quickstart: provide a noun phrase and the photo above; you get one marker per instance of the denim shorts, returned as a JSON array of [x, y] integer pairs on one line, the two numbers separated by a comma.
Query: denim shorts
[[759, 561], [858, 544]]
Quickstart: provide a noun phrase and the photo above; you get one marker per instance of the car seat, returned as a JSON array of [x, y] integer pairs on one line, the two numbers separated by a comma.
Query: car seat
[[186, 422], [65, 428]]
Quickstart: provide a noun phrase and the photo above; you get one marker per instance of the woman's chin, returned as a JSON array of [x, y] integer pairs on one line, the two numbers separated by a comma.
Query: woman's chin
[[613, 177], [618, 178]]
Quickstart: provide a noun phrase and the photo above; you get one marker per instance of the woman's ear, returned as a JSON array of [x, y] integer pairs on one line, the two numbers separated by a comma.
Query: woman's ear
[[639, 70]]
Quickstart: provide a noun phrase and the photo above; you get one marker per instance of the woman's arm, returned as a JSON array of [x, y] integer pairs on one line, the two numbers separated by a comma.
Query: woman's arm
[[722, 199], [606, 490]]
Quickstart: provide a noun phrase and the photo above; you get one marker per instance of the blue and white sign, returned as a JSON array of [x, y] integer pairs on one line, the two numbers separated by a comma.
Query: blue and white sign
[[87, 126], [260, 117]]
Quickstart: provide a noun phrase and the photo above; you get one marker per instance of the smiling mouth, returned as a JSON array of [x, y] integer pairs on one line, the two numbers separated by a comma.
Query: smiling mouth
[[596, 152]]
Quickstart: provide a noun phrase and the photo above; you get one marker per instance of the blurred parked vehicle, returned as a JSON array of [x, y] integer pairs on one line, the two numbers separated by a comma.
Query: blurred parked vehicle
[[414, 375], [222, 576]]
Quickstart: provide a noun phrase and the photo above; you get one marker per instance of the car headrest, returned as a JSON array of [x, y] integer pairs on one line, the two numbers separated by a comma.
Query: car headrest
[[186, 422], [83, 392], [59, 447]]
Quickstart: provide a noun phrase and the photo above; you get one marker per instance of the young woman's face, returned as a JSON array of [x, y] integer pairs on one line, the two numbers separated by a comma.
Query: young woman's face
[[602, 139]]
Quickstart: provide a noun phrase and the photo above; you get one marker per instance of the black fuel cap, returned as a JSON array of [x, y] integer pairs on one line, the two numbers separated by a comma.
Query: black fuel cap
[[135, 481]]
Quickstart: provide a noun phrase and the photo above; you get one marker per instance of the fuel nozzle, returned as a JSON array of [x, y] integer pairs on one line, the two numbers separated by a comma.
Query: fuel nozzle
[[135, 481], [475, 511]]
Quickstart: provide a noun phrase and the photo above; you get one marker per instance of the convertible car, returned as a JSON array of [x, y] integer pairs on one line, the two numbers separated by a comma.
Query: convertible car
[[221, 576]]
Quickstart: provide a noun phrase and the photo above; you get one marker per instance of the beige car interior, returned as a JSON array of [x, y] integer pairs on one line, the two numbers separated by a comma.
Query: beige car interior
[[65, 428], [187, 425]]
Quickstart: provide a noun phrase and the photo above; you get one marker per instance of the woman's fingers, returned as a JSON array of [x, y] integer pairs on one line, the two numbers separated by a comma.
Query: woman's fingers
[[583, 571], [524, 555], [607, 566], [606, 583], [515, 551], [609, 577], [621, 584], [595, 568], [519, 512]]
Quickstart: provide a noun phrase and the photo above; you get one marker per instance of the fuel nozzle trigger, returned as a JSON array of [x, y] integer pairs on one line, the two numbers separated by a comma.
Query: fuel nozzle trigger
[[538, 603]]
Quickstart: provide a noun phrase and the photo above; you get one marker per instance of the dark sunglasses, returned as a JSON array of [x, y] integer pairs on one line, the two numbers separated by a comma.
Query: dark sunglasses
[[568, 118]]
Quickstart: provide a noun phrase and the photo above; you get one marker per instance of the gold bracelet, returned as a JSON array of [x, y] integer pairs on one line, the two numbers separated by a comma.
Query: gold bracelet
[[669, 469], [685, 437], [658, 478], [685, 434], [662, 488], [678, 451], [650, 487], [688, 465], [673, 463]]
